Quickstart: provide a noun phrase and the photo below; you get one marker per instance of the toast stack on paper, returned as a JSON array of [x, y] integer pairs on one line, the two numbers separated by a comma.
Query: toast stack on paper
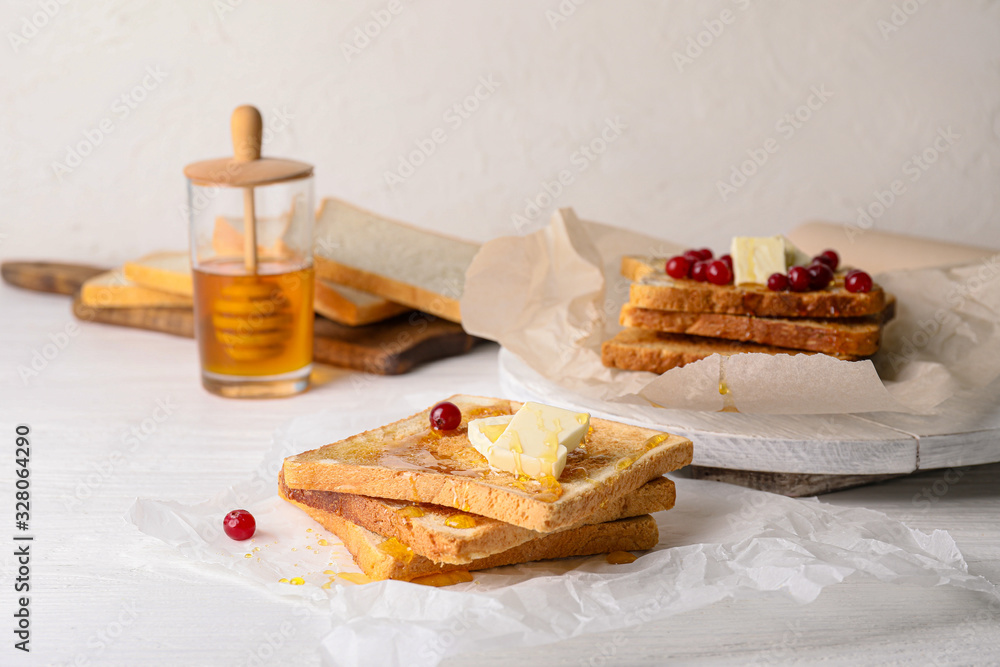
[[672, 322], [409, 501]]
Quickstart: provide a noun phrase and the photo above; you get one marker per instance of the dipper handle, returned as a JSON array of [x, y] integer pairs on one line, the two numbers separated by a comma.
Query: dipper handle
[[247, 128]]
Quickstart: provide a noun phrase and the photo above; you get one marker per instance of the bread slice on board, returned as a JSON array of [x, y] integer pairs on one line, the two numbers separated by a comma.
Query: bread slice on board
[[113, 290], [165, 271], [352, 307], [406, 460], [652, 288], [655, 352], [415, 267], [381, 558], [448, 535], [858, 336]]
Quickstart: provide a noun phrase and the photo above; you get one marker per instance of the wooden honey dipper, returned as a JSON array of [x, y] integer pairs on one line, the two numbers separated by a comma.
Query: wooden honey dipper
[[251, 316]]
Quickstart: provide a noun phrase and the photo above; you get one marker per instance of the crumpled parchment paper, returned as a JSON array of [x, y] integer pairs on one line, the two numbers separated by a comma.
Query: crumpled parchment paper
[[719, 542], [552, 297]]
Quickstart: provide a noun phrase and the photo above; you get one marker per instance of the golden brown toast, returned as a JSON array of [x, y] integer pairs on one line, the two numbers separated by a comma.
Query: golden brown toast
[[655, 352], [388, 558], [448, 535], [844, 336], [406, 460], [652, 288], [352, 307]]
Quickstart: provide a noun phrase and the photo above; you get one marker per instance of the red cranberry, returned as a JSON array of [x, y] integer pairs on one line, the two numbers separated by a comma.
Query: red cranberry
[[858, 281], [798, 279], [705, 253], [728, 259], [678, 267], [718, 273], [832, 259], [820, 259], [239, 525], [699, 271], [820, 275], [445, 416], [777, 282], [691, 256]]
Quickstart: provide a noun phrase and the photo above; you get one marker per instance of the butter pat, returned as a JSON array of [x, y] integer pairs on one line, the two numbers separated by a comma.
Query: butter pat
[[755, 258], [533, 442], [484, 432]]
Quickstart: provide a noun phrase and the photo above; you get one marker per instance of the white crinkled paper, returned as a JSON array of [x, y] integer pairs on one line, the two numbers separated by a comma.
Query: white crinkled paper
[[552, 297], [719, 542]]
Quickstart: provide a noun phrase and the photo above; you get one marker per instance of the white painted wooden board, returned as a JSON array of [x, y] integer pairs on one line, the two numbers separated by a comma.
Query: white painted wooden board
[[965, 432]]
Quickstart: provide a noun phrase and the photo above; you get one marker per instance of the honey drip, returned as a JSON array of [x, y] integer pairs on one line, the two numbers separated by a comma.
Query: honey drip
[[410, 512], [551, 489], [624, 463], [621, 558], [655, 441], [354, 577], [397, 550], [460, 521], [444, 578], [728, 402]]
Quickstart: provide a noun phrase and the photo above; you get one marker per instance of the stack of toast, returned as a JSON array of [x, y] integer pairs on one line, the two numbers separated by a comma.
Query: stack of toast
[[672, 322], [414, 503]]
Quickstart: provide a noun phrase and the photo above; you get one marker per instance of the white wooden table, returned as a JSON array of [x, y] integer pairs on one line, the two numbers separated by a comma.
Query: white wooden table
[[116, 413]]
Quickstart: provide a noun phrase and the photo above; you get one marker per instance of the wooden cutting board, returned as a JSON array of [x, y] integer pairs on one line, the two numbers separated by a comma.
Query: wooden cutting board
[[391, 347]]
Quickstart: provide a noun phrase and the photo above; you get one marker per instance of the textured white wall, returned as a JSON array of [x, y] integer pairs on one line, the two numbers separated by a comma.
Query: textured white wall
[[885, 80]]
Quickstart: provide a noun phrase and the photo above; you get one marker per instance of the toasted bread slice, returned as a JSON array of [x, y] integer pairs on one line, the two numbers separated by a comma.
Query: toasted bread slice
[[113, 290], [165, 271], [406, 460], [448, 535], [858, 336], [655, 352], [414, 267], [654, 289], [352, 307], [380, 557]]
